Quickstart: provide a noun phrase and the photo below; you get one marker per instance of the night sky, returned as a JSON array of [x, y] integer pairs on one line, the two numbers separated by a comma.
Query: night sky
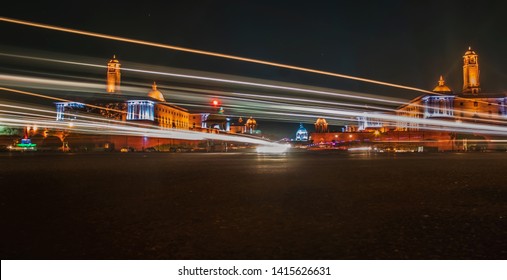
[[393, 41]]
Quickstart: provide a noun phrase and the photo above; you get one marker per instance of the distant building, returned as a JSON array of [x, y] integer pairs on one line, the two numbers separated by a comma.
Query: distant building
[[368, 123], [301, 133], [250, 125], [217, 122], [238, 126], [321, 125]]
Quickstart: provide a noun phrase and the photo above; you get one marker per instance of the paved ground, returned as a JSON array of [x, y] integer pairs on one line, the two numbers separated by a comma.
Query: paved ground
[[244, 206]]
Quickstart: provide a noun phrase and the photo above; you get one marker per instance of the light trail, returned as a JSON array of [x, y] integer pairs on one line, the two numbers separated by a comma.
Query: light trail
[[55, 98], [428, 123], [251, 107], [232, 57], [214, 54], [102, 128], [270, 86], [327, 93], [96, 125], [356, 95], [351, 95], [39, 83], [253, 98], [270, 109], [106, 127], [266, 109]]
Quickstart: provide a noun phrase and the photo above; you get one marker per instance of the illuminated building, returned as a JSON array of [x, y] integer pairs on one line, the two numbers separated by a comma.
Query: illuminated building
[[301, 133], [469, 106], [321, 125], [212, 122], [154, 109], [438, 105], [113, 76], [238, 127], [367, 123], [149, 109], [155, 93], [198, 121], [251, 124], [216, 122], [471, 72]]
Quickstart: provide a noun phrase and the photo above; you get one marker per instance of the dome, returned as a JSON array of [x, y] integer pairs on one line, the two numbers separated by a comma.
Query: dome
[[302, 133], [251, 122], [441, 86], [321, 125], [302, 129], [321, 121], [114, 60], [469, 51], [155, 93]]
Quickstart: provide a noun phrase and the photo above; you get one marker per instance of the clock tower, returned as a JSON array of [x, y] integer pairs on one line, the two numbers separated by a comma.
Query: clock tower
[[113, 75], [471, 72]]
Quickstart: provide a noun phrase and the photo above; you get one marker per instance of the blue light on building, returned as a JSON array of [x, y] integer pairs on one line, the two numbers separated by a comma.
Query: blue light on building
[[67, 110], [302, 133], [140, 110]]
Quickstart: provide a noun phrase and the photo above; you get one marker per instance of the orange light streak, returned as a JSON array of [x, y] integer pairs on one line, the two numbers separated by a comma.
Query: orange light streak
[[215, 54]]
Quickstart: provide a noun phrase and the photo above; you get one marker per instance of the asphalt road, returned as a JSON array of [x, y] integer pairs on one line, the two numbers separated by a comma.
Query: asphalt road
[[245, 206]]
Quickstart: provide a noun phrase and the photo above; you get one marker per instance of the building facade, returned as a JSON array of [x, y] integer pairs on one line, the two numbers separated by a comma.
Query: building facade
[[150, 109], [471, 105]]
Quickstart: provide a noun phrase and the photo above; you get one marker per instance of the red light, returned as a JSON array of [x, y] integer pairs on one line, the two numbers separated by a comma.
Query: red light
[[215, 102]]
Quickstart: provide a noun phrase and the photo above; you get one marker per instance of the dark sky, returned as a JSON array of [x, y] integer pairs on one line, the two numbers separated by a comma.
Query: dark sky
[[405, 42]]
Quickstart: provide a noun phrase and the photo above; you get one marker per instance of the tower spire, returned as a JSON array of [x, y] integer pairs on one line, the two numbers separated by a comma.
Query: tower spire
[[471, 72], [442, 88], [113, 75]]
